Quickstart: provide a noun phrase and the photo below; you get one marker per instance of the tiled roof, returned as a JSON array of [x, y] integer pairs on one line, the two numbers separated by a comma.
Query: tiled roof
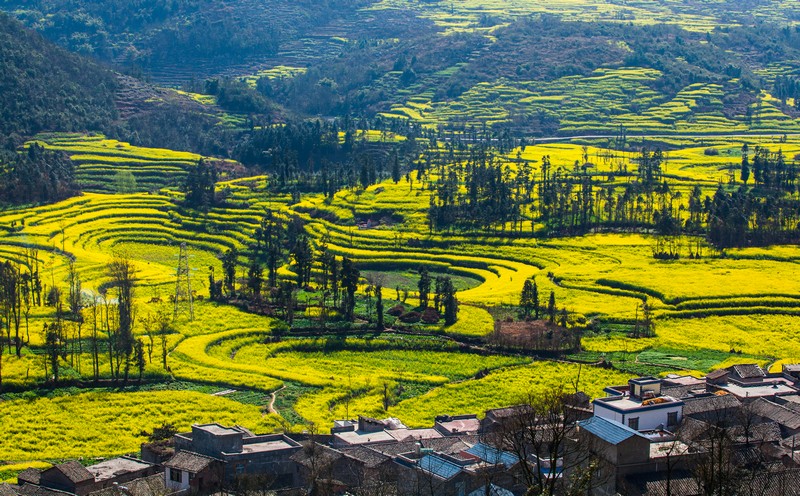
[[510, 411], [29, 476], [32, 490], [491, 490], [783, 483], [767, 432], [749, 371], [717, 374], [189, 462], [145, 486], [611, 432], [655, 484], [7, 489], [679, 391], [73, 471], [439, 467], [710, 404], [315, 453], [369, 457], [693, 429], [447, 445], [493, 455], [778, 413]]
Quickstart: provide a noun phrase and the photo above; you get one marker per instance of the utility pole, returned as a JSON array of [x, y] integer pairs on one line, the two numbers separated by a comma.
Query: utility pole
[[183, 285]]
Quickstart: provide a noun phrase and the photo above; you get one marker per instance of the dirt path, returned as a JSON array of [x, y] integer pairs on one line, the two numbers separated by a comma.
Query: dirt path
[[271, 406]]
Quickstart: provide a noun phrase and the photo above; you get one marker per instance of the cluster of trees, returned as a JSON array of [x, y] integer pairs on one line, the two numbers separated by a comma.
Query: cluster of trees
[[21, 289], [786, 87], [490, 200], [477, 192], [275, 242], [336, 280], [323, 156], [200, 186], [531, 306], [444, 299], [99, 323], [37, 176]]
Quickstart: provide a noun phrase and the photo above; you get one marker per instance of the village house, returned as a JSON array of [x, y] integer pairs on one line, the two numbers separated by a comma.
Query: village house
[[649, 442], [212, 456], [640, 405], [72, 477]]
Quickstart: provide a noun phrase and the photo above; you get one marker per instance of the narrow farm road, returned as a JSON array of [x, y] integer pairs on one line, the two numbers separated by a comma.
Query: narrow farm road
[[274, 394]]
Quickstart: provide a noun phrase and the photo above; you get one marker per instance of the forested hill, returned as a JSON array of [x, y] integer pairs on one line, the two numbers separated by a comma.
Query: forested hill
[[198, 36], [44, 87]]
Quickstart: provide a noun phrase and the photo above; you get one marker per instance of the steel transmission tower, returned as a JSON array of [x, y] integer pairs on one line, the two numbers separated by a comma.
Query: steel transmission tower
[[183, 286]]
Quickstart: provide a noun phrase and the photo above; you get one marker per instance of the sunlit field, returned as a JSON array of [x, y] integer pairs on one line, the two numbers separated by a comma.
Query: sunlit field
[[708, 312]]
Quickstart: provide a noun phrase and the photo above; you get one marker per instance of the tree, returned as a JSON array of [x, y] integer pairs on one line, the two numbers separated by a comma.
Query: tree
[[303, 259], [526, 300], [229, 261], [11, 303], [396, 170], [255, 279], [541, 431], [450, 302], [551, 307], [141, 363], [214, 286], [350, 275], [122, 272], [424, 286], [125, 182], [200, 185], [75, 298], [745, 174], [52, 346], [379, 306]]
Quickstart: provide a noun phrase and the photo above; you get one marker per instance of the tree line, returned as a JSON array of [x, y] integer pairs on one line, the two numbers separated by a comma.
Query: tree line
[[476, 191], [98, 323]]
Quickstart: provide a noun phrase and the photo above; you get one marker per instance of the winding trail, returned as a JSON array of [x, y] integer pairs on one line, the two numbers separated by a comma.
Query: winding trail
[[274, 394]]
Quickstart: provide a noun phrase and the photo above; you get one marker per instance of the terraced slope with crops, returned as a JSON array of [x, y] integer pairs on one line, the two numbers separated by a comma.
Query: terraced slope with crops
[[709, 311]]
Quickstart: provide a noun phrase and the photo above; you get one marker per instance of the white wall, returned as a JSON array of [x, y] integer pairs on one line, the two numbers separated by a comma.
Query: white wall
[[172, 485], [648, 420]]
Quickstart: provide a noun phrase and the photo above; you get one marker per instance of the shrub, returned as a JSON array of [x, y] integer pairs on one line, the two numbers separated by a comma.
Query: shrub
[[430, 316], [410, 317], [397, 310], [711, 152]]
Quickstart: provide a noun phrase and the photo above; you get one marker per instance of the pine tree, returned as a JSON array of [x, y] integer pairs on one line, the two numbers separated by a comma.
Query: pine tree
[[745, 174], [526, 299], [350, 275], [551, 308], [396, 170], [450, 302], [424, 286]]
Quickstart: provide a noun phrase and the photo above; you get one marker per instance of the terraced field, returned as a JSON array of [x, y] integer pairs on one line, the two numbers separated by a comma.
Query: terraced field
[[109, 166], [599, 103], [709, 312]]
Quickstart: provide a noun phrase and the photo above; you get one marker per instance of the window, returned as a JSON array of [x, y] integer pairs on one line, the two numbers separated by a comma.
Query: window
[[672, 418], [191, 476], [175, 475], [239, 468], [633, 423]]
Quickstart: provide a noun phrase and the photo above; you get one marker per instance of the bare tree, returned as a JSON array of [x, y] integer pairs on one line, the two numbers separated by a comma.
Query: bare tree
[[541, 433], [122, 273]]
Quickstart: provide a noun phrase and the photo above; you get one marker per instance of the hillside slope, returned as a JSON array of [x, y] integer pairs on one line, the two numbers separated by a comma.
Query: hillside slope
[[45, 88]]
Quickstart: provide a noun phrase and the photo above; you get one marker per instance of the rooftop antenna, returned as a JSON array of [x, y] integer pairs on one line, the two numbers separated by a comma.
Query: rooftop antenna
[[183, 285]]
